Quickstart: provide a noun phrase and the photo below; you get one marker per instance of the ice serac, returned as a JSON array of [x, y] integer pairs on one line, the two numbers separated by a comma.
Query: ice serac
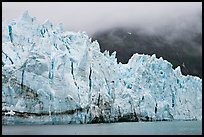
[[52, 76]]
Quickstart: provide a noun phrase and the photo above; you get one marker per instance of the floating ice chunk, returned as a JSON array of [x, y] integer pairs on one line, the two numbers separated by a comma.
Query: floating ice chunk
[[10, 113]]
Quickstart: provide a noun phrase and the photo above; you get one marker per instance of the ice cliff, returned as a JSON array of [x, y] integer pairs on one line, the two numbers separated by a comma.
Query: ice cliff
[[52, 76]]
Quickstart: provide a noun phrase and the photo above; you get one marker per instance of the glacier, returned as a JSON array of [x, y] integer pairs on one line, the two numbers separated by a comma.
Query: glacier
[[53, 76]]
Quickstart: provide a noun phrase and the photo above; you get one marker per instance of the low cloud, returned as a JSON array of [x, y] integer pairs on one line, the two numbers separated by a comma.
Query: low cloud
[[98, 16]]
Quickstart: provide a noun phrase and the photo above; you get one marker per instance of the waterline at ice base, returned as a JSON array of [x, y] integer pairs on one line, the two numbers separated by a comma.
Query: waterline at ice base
[[53, 76]]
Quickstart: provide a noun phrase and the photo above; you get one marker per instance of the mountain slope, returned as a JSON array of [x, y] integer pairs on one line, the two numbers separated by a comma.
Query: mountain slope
[[180, 47]]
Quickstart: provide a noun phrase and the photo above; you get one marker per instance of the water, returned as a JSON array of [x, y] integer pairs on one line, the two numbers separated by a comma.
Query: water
[[124, 128]]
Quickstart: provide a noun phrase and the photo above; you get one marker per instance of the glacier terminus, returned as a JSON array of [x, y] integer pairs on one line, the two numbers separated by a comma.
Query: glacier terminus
[[53, 76]]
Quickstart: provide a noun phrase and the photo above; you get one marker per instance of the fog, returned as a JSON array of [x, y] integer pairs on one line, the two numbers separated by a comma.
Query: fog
[[92, 17], [172, 30]]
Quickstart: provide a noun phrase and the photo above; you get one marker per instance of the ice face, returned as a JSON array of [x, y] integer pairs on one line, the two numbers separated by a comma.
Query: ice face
[[52, 76]]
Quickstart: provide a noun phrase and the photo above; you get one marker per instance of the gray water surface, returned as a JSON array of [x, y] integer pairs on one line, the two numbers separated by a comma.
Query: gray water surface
[[124, 128]]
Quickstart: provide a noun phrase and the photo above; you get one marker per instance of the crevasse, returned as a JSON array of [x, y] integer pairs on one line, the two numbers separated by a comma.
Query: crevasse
[[52, 76]]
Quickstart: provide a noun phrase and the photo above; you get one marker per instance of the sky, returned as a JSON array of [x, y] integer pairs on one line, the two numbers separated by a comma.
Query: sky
[[96, 16]]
